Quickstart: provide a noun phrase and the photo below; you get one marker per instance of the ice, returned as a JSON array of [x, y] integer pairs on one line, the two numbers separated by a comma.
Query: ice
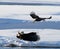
[[14, 18]]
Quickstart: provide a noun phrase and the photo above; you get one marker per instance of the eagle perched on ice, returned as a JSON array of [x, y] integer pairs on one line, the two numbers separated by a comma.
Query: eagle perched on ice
[[32, 36]]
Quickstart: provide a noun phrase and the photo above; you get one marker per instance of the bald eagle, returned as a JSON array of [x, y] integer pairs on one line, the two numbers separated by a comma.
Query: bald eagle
[[37, 18], [32, 36]]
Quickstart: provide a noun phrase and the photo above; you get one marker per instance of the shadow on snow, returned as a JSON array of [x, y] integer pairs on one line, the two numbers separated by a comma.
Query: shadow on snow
[[26, 24]]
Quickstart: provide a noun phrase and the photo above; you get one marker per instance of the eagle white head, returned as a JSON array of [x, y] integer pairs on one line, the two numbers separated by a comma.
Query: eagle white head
[[32, 12]]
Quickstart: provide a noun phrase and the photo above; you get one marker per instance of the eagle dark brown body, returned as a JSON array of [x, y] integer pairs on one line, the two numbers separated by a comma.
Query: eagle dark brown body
[[37, 18], [32, 36]]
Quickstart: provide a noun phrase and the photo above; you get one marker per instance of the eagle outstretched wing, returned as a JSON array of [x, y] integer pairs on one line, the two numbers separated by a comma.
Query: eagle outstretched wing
[[37, 18]]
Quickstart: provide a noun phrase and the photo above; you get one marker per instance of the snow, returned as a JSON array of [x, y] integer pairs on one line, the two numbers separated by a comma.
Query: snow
[[14, 18], [22, 12], [45, 34], [29, 1]]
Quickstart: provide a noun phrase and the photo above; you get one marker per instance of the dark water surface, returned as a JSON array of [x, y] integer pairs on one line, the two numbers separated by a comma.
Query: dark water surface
[[24, 48]]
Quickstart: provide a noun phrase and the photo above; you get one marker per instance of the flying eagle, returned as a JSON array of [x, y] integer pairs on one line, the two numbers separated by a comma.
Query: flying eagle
[[32, 36], [37, 18]]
